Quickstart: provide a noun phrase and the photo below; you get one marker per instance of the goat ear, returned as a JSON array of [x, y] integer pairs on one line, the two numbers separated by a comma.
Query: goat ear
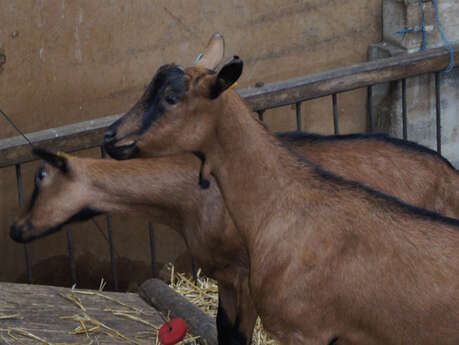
[[58, 161], [213, 53], [227, 76]]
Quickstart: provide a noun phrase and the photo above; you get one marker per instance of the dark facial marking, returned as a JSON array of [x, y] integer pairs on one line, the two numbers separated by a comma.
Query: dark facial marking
[[85, 214], [227, 333], [333, 341], [167, 88]]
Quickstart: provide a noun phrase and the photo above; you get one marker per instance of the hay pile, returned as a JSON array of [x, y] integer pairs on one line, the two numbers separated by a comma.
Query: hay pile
[[204, 295]]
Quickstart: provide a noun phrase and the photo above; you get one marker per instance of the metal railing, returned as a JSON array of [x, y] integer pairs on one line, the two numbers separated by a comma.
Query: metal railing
[[89, 134]]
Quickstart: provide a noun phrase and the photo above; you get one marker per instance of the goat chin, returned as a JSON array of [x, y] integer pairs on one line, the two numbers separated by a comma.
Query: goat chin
[[121, 152]]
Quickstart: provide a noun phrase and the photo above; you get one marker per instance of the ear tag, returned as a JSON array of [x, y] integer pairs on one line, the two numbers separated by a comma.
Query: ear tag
[[198, 58], [235, 84], [64, 155]]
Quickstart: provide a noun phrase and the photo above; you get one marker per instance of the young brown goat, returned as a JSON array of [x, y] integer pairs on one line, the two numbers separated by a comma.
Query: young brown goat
[[331, 261], [70, 189]]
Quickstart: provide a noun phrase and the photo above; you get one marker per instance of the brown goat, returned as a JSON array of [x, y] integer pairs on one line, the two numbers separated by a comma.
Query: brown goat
[[70, 189], [411, 172], [331, 260]]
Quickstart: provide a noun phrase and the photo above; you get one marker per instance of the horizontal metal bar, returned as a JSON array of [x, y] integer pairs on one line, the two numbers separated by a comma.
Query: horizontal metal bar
[[89, 134]]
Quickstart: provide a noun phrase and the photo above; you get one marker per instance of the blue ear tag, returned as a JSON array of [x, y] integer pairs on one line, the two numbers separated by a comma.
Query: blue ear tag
[[198, 58]]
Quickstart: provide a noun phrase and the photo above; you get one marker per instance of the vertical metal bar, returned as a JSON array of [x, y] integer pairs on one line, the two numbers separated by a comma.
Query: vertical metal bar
[[113, 260], [260, 114], [335, 113], [71, 256], [112, 252], [438, 108], [194, 270], [152, 250], [21, 205], [370, 108], [404, 111], [298, 117]]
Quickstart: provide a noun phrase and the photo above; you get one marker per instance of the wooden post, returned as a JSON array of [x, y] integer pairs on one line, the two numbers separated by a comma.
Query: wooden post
[[164, 299]]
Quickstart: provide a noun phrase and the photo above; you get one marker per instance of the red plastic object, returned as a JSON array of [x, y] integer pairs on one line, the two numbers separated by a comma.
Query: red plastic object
[[172, 332]]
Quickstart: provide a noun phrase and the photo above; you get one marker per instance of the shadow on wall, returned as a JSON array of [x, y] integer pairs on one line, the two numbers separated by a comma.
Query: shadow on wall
[[90, 270]]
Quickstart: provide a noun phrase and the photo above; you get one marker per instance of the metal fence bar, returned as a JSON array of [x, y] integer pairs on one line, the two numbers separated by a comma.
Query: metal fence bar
[[298, 117], [20, 189], [370, 108], [335, 113], [71, 256], [404, 111], [113, 260], [438, 110], [154, 269], [194, 270]]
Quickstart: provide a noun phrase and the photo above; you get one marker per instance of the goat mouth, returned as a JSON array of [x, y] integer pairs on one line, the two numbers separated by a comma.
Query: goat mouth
[[17, 233], [32, 233], [121, 152]]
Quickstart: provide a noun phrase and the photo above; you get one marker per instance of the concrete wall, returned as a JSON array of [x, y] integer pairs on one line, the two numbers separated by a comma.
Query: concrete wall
[[421, 101], [70, 61]]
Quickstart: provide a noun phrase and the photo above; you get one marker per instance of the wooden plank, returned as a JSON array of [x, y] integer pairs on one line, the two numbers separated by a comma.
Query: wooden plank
[[348, 78], [70, 138], [89, 134], [40, 309], [164, 299]]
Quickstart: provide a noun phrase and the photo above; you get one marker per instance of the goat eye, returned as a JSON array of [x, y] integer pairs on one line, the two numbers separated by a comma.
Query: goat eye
[[171, 100], [40, 176]]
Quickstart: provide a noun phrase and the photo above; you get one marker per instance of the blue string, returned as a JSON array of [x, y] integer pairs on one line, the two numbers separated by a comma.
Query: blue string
[[445, 40], [422, 28]]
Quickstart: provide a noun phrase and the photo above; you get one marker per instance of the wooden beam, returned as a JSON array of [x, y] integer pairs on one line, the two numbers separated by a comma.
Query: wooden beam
[[164, 299], [74, 137], [89, 134], [348, 78]]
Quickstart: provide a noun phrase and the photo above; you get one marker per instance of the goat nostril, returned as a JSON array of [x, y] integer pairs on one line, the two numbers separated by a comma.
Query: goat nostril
[[109, 134], [15, 233]]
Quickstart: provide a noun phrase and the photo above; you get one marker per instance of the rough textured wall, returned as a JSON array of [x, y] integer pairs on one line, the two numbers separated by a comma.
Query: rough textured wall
[[70, 61], [421, 96]]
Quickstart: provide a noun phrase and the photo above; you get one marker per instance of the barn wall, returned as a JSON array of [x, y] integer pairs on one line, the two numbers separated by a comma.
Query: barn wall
[[70, 61]]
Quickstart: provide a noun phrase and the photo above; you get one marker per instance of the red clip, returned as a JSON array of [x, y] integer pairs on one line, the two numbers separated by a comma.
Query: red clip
[[173, 331]]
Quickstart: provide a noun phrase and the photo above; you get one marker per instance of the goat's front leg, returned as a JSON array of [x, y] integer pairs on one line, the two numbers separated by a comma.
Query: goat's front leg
[[236, 315]]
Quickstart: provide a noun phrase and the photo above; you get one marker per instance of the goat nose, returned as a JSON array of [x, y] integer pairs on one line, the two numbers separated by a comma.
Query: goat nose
[[109, 134], [15, 233]]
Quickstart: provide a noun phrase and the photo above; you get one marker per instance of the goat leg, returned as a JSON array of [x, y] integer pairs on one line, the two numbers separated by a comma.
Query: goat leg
[[236, 316]]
